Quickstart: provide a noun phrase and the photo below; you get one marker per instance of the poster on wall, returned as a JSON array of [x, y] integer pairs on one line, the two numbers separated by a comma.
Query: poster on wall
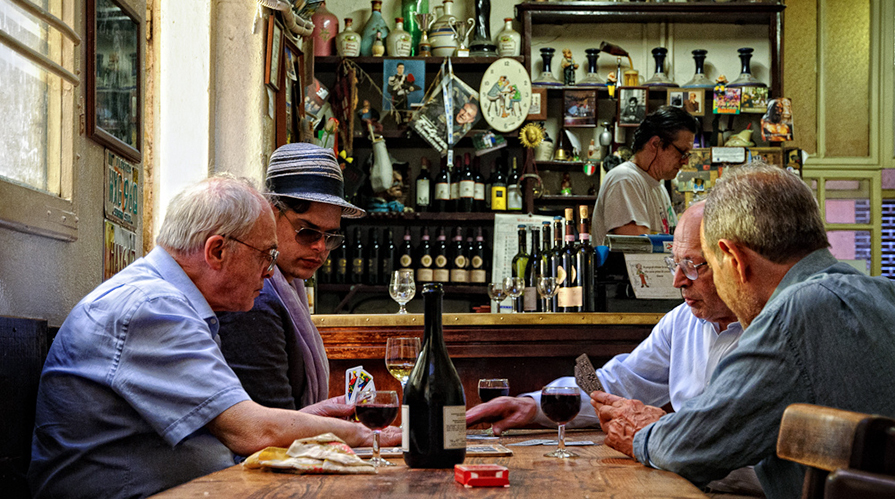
[[119, 248], [123, 189]]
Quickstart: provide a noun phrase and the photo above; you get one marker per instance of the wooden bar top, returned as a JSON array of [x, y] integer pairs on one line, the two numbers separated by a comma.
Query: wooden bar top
[[480, 320], [598, 472]]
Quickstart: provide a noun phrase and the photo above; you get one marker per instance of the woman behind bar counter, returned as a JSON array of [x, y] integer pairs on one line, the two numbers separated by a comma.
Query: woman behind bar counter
[[275, 349]]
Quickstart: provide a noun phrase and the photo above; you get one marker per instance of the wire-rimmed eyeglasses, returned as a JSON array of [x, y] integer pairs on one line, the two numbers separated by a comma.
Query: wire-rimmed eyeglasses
[[685, 155], [271, 254], [308, 236], [689, 268]]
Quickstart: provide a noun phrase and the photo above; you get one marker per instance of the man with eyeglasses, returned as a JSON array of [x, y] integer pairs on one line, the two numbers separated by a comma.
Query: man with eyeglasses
[[632, 199], [135, 396]]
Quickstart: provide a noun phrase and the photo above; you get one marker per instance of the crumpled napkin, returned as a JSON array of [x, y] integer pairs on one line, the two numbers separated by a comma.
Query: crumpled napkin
[[323, 454]]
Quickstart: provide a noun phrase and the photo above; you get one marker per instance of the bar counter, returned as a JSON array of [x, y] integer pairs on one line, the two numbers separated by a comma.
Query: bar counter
[[530, 350]]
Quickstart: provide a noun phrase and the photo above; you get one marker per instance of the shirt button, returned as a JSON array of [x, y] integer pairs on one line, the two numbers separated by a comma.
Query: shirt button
[[214, 321]]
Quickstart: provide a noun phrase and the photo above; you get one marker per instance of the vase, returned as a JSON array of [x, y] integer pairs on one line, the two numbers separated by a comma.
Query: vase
[[659, 78], [546, 78], [592, 79], [348, 41], [409, 9], [746, 79], [699, 80], [441, 35], [509, 41], [481, 45], [374, 25], [399, 42], [326, 27]]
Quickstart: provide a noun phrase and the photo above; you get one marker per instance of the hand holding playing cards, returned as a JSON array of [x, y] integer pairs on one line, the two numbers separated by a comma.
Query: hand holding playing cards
[[622, 418], [331, 408], [504, 413]]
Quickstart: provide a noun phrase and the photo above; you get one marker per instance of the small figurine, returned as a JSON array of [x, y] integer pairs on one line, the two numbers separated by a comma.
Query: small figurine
[[566, 186], [369, 116], [568, 67]]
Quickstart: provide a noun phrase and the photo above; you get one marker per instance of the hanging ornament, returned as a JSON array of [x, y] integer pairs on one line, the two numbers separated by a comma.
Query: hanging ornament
[[531, 135]]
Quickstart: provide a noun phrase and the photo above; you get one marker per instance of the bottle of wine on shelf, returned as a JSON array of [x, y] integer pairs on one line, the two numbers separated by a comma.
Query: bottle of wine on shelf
[[373, 256], [479, 186], [488, 183], [340, 259], [459, 261], [570, 289], [466, 201], [357, 258], [424, 259], [311, 290], [531, 301], [434, 407], [499, 187], [442, 272], [422, 186], [547, 268], [454, 174], [442, 189], [520, 263], [326, 270], [556, 267], [479, 263], [514, 193], [570, 220], [405, 252], [389, 254], [585, 262]]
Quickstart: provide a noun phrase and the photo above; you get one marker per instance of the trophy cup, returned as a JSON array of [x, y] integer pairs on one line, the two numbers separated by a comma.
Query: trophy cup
[[424, 20], [461, 34]]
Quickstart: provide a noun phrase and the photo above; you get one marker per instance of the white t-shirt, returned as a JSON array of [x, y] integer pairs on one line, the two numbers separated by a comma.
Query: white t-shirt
[[629, 194]]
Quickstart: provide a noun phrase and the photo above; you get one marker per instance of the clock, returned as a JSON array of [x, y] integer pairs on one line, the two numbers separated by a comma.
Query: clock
[[505, 94]]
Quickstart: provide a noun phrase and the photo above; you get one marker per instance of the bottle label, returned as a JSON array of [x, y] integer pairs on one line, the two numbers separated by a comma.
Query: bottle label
[[477, 262], [311, 293], [477, 275], [479, 192], [441, 261], [499, 198], [459, 275], [371, 264], [424, 275], [343, 266], [454, 427], [460, 262], [560, 274], [357, 265], [455, 190], [426, 260], [467, 189], [402, 47], [514, 198], [406, 261], [441, 275], [405, 428], [327, 266], [530, 299], [422, 192], [569, 297], [584, 236], [507, 46], [442, 192]]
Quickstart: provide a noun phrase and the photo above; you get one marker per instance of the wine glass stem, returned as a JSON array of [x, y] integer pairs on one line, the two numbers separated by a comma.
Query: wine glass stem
[[402, 310], [375, 448], [562, 438]]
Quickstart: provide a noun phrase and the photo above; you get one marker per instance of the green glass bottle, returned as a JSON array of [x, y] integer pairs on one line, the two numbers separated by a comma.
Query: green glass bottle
[[408, 9]]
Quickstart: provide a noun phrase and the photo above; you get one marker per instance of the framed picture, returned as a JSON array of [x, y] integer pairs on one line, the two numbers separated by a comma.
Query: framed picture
[[776, 123], [293, 95], [114, 77], [274, 52], [538, 109], [727, 100], [579, 108], [632, 105], [754, 100], [691, 100]]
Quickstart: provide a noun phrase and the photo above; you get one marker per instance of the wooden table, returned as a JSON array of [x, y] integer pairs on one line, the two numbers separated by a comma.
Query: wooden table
[[598, 472]]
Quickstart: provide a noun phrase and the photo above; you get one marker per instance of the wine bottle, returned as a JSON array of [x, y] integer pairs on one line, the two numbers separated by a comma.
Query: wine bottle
[[454, 174], [569, 297], [532, 302], [570, 220], [442, 188], [422, 186], [441, 272], [459, 262], [434, 405], [547, 269], [357, 258], [520, 263], [466, 186], [479, 263], [488, 183], [424, 259], [341, 264], [405, 252], [389, 254], [585, 262], [514, 193], [479, 186], [372, 257], [311, 290], [556, 267], [326, 270], [499, 188]]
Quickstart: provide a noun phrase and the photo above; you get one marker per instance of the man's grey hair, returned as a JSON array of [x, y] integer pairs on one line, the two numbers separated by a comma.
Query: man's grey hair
[[767, 209], [219, 205]]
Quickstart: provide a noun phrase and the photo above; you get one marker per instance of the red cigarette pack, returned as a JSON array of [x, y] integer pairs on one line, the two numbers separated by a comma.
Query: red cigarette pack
[[482, 475]]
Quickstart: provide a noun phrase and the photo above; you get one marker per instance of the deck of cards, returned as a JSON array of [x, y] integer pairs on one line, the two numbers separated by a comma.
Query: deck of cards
[[357, 381], [586, 375]]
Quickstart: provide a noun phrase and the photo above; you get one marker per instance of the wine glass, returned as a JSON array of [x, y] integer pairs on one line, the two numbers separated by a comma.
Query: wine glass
[[497, 293], [490, 389], [561, 404], [400, 356], [514, 287], [547, 287], [402, 288], [376, 409]]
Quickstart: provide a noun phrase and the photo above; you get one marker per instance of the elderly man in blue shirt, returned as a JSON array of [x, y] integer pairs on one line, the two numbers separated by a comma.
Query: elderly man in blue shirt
[[135, 396], [816, 331]]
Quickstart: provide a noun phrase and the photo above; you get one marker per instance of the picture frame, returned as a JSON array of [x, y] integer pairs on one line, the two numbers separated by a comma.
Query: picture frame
[[579, 108], [273, 57], [691, 100], [754, 100], [538, 109], [293, 91], [114, 77], [633, 105], [727, 100]]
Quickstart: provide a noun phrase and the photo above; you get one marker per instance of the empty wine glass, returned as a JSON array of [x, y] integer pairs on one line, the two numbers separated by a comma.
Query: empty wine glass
[[497, 293], [402, 288], [376, 409], [400, 356], [561, 404], [547, 288], [515, 287]]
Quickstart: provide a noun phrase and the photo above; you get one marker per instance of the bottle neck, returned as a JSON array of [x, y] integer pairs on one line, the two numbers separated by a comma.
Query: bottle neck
[[432, 308]]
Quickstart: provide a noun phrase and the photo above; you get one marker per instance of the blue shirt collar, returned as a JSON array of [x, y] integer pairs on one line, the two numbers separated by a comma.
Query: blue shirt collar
[[172, 272], [813, 263]]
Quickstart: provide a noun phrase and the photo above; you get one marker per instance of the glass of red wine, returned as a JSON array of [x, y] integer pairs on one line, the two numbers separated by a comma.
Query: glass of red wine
[[490, 389], [561, 404], [376, 410]]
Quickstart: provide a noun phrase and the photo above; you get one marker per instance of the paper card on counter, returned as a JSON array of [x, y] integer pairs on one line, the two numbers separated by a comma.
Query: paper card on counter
[[506, 245], [650, 277], [357, 380]]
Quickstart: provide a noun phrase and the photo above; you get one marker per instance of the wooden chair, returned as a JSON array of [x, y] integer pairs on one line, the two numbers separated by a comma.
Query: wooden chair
[[858, 448]]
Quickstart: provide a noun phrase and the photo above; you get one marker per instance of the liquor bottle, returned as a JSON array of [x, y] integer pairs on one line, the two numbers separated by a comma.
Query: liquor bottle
[[499, 188], [376, 24], [442, 188], [454, 174], [340, 259], [466, 189], [569, 297], [389, 254], [459, 262], [442, 272], [547, 269], [520, 263], [479, 262], [424, 259], [326, 270], [585, 262], [311, 291], [514, 193], [357, 258], [434, 405], [405, 252], [479, 189], [408, 9], [372, 257], [422, 186], [531, 300]]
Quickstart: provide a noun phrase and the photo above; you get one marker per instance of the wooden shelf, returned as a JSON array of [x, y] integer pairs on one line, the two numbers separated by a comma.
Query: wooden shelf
[[425, 219], [758, 12], [574, 200], [461, 63], [449, 289], [560, 166]]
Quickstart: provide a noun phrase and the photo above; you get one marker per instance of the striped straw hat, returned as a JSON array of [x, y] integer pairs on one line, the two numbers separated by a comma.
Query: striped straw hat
[[309, 172]]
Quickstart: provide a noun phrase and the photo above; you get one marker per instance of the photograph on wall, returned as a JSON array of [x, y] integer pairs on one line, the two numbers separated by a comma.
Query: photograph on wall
[[403, 84], [315, 97], [691, 100], [727, 100], [792, 160], [579, 108], [632, 105], [432, 122], [754, 100], [538, 109], [776, 124]]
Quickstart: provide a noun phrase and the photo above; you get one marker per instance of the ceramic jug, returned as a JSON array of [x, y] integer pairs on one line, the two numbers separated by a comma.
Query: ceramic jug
[[441, 36], [348, 41]]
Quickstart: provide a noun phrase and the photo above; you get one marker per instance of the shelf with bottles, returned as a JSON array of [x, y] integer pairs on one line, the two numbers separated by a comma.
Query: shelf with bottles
[[425, 218], [330, 62], [449, 289], [565, 12], [563, 200]]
